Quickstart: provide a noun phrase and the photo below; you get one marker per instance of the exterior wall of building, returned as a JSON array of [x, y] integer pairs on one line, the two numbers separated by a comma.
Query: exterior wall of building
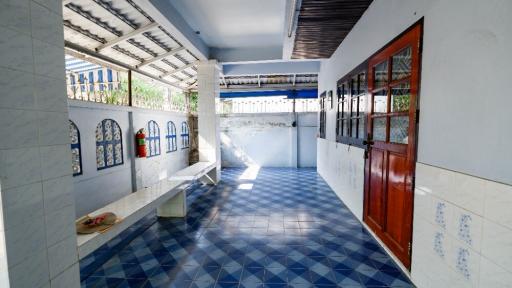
[[37, 229], [96, 188], [462, 139], [268, 139]]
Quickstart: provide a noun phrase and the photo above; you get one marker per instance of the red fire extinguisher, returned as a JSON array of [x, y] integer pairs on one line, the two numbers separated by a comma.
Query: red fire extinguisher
[[140, 142]]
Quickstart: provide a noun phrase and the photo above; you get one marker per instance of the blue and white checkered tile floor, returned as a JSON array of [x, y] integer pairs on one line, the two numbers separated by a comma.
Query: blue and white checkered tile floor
[[285, 228]]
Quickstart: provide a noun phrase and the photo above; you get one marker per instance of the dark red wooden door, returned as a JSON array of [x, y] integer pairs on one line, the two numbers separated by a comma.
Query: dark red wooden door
[[393, 80]]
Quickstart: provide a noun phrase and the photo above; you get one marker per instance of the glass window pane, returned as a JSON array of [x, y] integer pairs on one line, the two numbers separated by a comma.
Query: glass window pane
[[380, 101], [345, 128], [400, 97], [354, 128], [381, 74], [354, 107], [354, 86], [363, 85], [362, 105], [379, 129], [401, 64], [399, 129], [361, 130]]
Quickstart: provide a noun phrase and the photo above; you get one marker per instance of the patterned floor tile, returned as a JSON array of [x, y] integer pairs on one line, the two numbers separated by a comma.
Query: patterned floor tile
[[288, 229]]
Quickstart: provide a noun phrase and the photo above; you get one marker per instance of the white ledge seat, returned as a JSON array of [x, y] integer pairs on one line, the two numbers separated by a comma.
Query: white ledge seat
[[130, 208], [195, 171], [168, 197]]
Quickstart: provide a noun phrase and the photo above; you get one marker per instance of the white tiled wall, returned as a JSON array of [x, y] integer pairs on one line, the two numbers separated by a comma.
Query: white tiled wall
[[37, 237], [462, 230]]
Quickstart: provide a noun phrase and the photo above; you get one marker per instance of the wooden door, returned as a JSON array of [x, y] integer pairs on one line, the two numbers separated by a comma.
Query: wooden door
[[393, 82]]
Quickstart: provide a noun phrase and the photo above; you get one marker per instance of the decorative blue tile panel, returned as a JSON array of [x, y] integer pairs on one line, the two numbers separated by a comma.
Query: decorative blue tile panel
[[462, 264], [441, 214], [439, 244], [464, 232], [288, 230]]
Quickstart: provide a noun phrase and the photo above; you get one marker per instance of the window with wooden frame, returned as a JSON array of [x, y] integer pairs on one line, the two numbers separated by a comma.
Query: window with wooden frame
[[323, 115], [352, 107]]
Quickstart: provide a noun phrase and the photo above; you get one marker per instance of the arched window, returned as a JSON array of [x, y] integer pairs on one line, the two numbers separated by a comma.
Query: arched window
[[109, 144], [184, 135], [76, 150], [153, 139], [171, 137]]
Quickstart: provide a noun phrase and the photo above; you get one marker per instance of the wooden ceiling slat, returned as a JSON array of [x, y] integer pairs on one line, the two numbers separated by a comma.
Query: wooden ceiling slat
[[323, 24]]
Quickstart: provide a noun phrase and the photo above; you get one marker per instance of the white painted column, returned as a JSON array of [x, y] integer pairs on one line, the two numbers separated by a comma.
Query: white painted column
[[208, 121], [37, 213]]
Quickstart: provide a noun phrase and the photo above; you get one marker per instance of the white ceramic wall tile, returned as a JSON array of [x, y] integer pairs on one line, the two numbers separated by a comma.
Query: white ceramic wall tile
[[15, 14], [18, 124], [434, 180], [48, 60], [492, 275], [33, 272], [423, 203], [466, 227], [45, 25], [468, 192], [50, 94], [60, 225], [22, 204], [24, 240], [17, 88], [55, 161], [465, 262], [497, 244], [58, 193], [19, 162], [15, 50], [62, 256], [70, 278], [53, 128], [498, 203]]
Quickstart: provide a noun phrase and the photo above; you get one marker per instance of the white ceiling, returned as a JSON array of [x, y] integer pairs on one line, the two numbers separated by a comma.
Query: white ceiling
[[235, 23]]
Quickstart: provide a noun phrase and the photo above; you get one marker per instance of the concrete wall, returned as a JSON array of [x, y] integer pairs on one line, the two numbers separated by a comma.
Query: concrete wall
[[37, 229], [463, 130], [269, 140], [96, 188]]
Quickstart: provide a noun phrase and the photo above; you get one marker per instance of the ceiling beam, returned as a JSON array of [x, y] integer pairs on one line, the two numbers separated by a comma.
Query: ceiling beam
[[161, 56], [177, 70], [127, 36]]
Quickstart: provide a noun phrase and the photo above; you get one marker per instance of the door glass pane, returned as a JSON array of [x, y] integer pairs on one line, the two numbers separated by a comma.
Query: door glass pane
[[380, 102], [379, 129], [400, 97], [401, 64], [399, 129], [381, 74]]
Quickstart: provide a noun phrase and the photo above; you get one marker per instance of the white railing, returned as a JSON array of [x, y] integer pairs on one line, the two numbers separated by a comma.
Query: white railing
[[268, 105]]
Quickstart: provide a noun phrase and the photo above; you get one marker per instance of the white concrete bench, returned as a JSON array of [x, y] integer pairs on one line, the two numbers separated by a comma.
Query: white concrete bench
[[177, 206], [167, 196], [130, 209]]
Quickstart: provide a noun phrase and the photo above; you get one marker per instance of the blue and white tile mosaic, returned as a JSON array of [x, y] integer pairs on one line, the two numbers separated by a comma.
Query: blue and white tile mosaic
[[286, 229], [462, 264], [441, 214], [464, 231], [439, 244]]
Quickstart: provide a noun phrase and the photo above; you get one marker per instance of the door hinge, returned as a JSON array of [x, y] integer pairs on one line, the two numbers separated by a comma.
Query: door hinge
[[409, 249]]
